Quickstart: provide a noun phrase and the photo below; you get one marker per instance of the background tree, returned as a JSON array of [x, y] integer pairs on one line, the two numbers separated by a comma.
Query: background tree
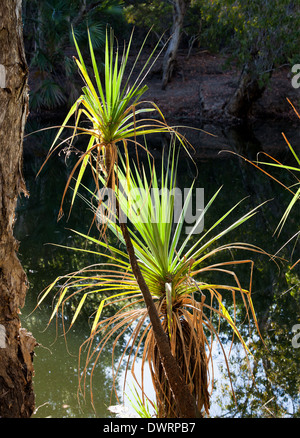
[[265, 36], [49, 44], [16, 344], [258, 36], [179, 11], [149, 14]]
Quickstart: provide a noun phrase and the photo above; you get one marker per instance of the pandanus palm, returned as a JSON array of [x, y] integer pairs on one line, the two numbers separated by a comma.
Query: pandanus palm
[[174, 269], [114, 112]]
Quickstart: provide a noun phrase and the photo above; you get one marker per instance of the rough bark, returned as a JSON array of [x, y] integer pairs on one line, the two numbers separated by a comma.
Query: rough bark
[[182, 395], [185, 401], [179, 10], [16, 344]]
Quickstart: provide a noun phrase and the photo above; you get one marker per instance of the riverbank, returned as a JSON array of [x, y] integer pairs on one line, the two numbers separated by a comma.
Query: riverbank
[[203, 83], [195, 99]]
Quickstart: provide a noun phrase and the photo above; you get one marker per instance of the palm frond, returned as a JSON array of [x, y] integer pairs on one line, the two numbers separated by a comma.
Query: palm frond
[[274, 163]]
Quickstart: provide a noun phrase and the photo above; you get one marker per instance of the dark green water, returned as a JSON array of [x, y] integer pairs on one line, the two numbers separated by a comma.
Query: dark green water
[[276, 292]]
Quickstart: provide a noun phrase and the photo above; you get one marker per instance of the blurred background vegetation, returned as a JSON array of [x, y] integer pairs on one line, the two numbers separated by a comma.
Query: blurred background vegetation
[[259, 35]]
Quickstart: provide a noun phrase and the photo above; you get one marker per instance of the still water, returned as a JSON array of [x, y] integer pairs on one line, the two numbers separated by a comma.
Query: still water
[[276, 289]]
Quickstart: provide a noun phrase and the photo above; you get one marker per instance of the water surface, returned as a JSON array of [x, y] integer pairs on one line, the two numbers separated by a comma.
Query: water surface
[[276, 290]]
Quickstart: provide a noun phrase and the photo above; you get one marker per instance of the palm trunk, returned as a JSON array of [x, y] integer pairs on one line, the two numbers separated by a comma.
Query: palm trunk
[[16, 345], [194, 368], [184, 399], [110, 160]]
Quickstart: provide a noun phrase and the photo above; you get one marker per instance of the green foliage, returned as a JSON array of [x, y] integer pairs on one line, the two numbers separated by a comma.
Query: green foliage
[[171, 264], [141, 406], [172, 267], [293, 189], [113, 110], [207, 21], [148, 14], [269, 27], [239, 27], [265, 30]]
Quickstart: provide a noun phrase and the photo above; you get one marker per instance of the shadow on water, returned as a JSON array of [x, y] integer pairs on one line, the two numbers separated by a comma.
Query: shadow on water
[[276, 290]]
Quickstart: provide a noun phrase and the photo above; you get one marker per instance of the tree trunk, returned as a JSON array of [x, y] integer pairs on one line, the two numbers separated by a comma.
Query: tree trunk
[[185, 401], [16, 345], [251, 87], [179, 10], [180, 390]]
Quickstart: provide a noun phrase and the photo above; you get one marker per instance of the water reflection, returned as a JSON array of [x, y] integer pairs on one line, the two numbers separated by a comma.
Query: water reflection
[[276, 294], [56, 374]]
